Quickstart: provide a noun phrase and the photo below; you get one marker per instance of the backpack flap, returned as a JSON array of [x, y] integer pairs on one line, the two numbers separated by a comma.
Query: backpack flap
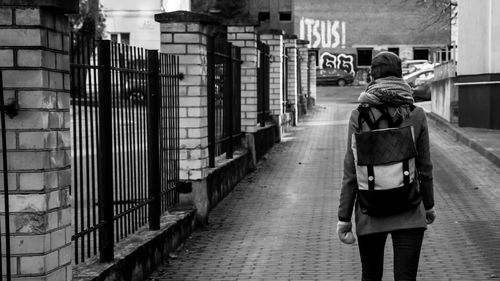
[[380, 147]]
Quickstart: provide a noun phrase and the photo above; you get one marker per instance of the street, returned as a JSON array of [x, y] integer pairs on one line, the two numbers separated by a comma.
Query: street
[[279, 222]]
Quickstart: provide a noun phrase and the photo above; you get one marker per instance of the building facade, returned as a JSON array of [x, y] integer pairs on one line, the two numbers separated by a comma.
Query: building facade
[[478, 65], [348, 33], [132, 22]]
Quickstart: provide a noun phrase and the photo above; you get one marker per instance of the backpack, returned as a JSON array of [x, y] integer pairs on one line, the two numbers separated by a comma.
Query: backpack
[[385, 165]]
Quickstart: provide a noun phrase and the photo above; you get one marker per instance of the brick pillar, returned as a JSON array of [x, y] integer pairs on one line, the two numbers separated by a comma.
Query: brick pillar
[[34, 45], [313, 53], [185, 35], [303, 92], [274, 39], [291, 47], [243, 35]]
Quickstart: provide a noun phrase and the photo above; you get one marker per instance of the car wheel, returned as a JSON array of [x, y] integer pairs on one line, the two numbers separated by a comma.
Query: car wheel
[[341, 83]]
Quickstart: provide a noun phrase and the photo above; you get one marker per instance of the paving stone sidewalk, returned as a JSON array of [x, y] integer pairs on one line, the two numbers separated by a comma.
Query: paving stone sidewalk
[[279, 222]]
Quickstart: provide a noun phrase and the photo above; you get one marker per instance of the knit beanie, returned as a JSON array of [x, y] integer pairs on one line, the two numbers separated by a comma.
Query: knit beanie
[[386, 64]]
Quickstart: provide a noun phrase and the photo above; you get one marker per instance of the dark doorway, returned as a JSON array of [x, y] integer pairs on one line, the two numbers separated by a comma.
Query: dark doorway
[[364, 57]]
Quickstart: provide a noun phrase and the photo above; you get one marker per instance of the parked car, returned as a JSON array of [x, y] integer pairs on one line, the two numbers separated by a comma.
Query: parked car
[[421, 73], [409, 66], [422, 89], [331, 76]]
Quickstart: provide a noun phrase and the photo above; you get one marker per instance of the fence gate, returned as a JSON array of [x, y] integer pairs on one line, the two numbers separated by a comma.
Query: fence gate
[[5, 268], [125, 130]]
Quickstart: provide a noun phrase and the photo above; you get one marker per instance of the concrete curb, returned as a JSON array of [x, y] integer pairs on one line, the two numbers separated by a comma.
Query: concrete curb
[[463, 137], [137, 255]]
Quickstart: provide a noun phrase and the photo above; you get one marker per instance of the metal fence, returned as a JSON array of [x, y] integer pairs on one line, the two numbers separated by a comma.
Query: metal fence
[[5, 264], [125, 142], [224, 97], [263, 111]]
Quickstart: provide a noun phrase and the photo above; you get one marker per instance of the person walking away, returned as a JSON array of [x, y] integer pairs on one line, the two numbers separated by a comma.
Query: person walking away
[[387, 174]]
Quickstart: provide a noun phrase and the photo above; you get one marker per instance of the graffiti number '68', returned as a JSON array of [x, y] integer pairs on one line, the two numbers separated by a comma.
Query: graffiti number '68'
[[338, 61]]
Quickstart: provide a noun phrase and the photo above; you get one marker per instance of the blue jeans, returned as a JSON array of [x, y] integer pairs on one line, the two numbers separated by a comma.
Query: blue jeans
[[406, 246]]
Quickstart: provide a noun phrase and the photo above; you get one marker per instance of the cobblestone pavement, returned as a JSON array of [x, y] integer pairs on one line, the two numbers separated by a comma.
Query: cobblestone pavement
[[279, 222]]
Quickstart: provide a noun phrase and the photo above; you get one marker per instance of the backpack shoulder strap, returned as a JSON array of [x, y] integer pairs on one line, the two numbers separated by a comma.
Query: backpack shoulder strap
[[364, 116]]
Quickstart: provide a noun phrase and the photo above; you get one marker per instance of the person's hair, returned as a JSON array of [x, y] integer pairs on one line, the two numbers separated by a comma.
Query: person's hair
[[386, 64]]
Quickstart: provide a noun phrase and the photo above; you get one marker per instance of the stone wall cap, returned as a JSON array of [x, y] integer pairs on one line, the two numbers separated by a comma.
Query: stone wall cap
[[272, 31], [241, 22], [302, 42], [66, 6], [187, 16], [291, 36]]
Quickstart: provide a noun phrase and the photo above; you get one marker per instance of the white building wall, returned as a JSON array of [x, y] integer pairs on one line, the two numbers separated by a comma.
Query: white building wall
[[478, 40], [137, 18]]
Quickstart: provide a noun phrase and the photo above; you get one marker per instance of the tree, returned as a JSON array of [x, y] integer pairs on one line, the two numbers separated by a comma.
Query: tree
[[441, 13], [90, 21], [87, 25], [228, 9]]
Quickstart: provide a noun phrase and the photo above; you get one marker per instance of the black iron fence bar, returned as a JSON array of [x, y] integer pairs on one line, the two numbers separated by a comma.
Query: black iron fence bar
[[105, 154], [5, 190], [236, 71], [111, 150], [228, 101], [154, 177], [169, 122], [84, 90], [211, 100]]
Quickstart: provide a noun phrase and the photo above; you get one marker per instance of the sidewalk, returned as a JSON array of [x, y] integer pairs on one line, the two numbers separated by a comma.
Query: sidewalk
[[484, 141], [279, 222]]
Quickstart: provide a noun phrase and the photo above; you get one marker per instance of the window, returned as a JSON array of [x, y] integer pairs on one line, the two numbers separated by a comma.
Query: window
[[364, 57], [121, 37], [394, 50], [421, 54], [285, 16], [264, 16]]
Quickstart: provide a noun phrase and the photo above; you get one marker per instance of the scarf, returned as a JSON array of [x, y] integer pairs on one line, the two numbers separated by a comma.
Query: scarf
[[388, 91]]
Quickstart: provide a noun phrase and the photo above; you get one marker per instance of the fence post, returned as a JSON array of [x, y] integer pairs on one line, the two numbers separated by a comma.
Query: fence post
[[105, 148], [303, 91], [274, 39], [187, 35], [313, 57], [211, 101], [242, 34], [153, 105], [34, 46]]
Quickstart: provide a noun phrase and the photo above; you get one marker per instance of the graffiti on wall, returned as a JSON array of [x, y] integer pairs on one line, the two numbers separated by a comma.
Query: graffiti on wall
[[338, 61], [323, 33]]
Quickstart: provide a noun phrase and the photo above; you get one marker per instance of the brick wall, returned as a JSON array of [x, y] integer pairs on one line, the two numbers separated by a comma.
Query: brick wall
[[291, 47], [312, 75], [188, 40], [35, 66], [275, 43]]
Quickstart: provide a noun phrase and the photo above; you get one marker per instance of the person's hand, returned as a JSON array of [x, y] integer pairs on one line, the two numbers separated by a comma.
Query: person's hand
[[344, 230], [430, 215]]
